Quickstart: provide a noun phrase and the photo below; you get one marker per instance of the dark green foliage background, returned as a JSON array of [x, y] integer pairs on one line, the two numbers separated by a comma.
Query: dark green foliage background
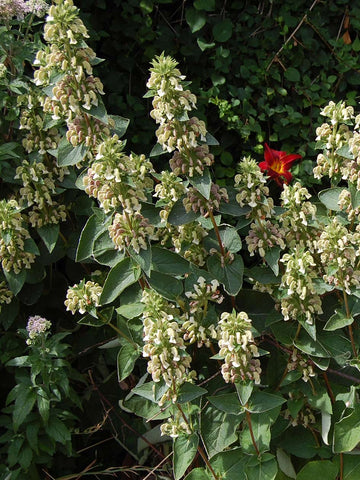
[[228, 50]]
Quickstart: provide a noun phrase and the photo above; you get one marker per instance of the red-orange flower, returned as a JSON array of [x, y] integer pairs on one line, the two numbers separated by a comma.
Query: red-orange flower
[[277, 164]]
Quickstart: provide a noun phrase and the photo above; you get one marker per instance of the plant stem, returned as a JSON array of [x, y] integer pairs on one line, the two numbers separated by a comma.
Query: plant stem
[[248, 419], [348, 315], [199, 448], [341, 466], [217, 233]]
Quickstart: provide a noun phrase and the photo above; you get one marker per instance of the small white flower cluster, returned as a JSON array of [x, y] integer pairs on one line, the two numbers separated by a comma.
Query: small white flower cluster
[[297, 362], [77, 90], [83, 297], [297, 283], [196, 202], [21, 8], [298, 215], [263, 235], [339, 251], [175, 426], [117, 179], [36, 327], [176, 131], [237, 348], [164, 345], [250, 183], [6, 295], [13, 240], [37, 191], [331, 137], [194, 324]]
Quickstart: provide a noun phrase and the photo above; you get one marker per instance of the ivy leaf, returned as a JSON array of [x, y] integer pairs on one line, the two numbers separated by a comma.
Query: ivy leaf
[[195, 19], [222, 31], [292, 74], [185, 448]]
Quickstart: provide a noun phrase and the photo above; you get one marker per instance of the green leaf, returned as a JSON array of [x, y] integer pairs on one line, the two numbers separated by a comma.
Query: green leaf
[[231, 239], [292, 74], [98, 111], [338, 320], [222, 31], [126, 359], [120, 277], [228, 403], [230, 275], [69, 155], [157, 150], [208, 5], [262, 468], [49, 235], [284, 462], [58, 431], [272, 257], [185, 448], [244, 391], [202, 183], [218, 430], [131, 310], [188, 392], [43, 405], [210, 140], [260, 424], [93, 227], [351, 467], [263, 402], [166, 261], [195, 19], [25, 456], [179, 216], [15, 280], [199, 474], [230, 464], [24, 402], [345, 152], [203, 45], [311, 347], [121, 125], [347, 432], [330, 198], [166, 285], [318, 469]]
